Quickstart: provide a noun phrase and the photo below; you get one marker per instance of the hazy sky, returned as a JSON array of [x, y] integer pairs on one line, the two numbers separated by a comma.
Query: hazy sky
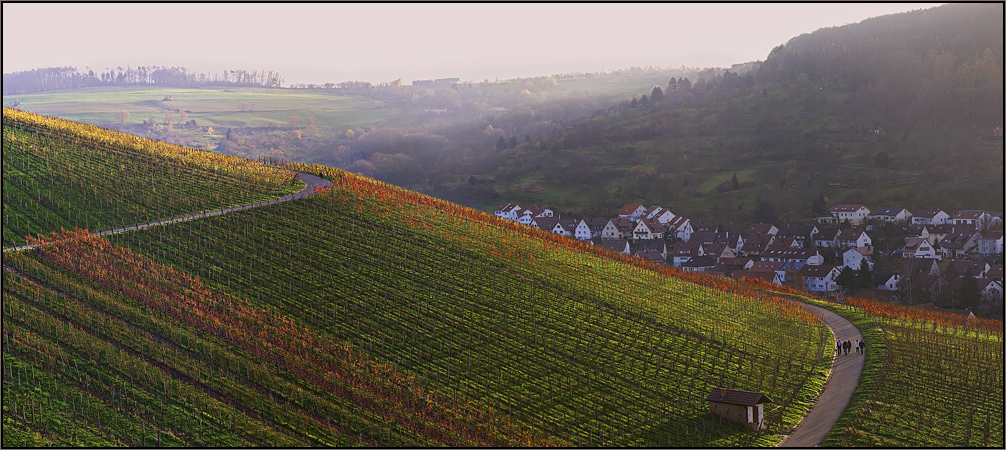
[[322, 42]]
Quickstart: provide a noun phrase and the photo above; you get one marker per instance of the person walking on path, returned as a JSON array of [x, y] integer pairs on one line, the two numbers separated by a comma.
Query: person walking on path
[[845, 346], [857, 345], [838, 346], [862, 347]]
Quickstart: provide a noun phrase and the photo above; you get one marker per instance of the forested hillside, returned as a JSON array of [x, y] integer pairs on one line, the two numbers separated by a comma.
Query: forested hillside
[[895, 110]]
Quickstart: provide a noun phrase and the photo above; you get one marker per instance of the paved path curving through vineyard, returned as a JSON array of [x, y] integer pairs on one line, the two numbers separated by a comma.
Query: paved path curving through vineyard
[[312, 182], [842, 382]]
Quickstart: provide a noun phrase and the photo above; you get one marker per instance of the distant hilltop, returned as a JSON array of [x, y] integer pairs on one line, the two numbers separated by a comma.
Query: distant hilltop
[[439, 82]]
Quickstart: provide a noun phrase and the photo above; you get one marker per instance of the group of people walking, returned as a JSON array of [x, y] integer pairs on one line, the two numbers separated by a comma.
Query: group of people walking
[[844, 346]]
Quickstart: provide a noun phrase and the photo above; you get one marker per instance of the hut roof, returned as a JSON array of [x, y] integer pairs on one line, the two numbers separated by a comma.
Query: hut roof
[[737, 397]]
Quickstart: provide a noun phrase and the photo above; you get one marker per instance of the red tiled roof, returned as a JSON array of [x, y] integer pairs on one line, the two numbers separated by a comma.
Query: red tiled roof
[[968, 214], [629, 208]]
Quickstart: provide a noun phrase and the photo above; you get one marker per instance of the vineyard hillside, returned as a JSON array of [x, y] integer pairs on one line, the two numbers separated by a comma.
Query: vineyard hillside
[[61, 174], [371, 315]]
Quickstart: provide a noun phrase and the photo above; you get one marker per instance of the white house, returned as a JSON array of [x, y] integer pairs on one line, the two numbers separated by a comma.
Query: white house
[[527, 215], [930, 216], [918, 247], [853, 237], [855, 214], [682, 228], [631, 211], [684, 251], [990, 244], [991, 292], [589, 228], [899, 215], [976, 218], [507, 211], [565, 227], [887, 281], [826, 238], [819, 278], [664, 216], [806, 256], [853, 258]]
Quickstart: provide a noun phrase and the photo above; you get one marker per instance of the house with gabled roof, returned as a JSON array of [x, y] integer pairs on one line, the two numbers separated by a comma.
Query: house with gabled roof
[[664, 216], [589, 228], [990, 244], [804, 234], [762, 228], [777, 267], [507, 211], [819, 277], [827, 237], [930, 216], [965, 268], [991, 292], [698, 264], [856, 214], [919, 266], [784, 243], [960, 243], [651, 255], [617, 228], [853, 237], [527, 215], [853, 258], [657, 245], [806, 256], [631, 211], [887, 281], [616, 245], [739, 263], [652, 211], [892, 215], [972, 217], [742, 407], [703, 226], [682, 228], [718, 251], [684, 251], [771, 277], [545, 223], [995, 272], [755, 243], [935, 233], [918, 247], [648, 229], [565, 227]]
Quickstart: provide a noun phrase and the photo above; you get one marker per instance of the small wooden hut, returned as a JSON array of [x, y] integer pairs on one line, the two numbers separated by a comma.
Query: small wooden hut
[[743, 407]]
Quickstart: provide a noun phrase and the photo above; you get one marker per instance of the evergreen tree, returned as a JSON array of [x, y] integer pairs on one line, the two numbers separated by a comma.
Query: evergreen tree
[[657, 94], [846, 281], [864, 275]]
